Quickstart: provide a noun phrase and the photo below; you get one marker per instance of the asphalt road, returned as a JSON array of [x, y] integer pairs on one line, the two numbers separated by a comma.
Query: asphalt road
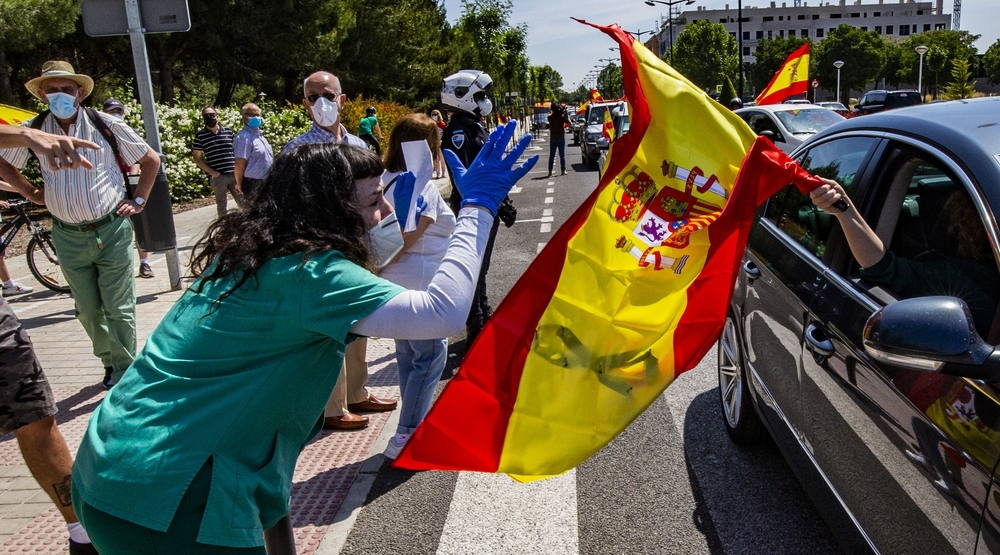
[[671, 483]]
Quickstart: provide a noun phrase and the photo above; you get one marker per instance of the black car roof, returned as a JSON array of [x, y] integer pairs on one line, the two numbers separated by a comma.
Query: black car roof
[[968, 129]]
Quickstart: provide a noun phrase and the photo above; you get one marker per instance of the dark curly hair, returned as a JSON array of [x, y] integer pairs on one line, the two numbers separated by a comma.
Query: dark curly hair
[[307, 204]]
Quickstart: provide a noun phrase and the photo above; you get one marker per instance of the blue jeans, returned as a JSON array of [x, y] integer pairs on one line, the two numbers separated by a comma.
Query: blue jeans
[[561, 145], [421, 363]]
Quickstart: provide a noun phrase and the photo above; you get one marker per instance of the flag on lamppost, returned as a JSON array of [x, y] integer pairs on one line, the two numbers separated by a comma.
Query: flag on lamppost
[[791, 79], [630, 292]]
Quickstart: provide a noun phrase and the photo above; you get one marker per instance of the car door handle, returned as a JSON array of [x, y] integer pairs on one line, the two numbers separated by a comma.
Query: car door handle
[[821, 347], [751, 270]]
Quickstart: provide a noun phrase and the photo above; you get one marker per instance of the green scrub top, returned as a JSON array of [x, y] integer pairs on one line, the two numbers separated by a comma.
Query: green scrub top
[[367, 124], [244, 382]]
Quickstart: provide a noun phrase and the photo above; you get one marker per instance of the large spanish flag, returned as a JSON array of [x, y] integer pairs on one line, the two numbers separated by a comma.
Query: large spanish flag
[[631, 291], [791, 79], [14, 116]]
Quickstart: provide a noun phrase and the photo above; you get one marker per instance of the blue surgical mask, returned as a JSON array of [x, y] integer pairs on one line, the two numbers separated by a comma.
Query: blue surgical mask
[[62, 105], [255, 121]]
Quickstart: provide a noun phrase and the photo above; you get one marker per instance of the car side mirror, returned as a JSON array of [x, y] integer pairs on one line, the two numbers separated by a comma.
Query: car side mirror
[[769, 134], [934, 334], [602, 144]]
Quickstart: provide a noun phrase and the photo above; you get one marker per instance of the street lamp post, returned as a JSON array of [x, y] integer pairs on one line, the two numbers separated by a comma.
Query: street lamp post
[[670, 19], [838, 64], [739, 32], [920, 72]]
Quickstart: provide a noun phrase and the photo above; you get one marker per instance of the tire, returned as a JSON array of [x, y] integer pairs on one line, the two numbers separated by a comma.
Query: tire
[[44, 265], [738, 414], [590, 163]]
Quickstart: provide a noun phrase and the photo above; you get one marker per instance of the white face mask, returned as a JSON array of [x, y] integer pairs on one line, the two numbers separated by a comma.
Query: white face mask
[[385, 240], [62, 105], [325, 113], [485, 107]]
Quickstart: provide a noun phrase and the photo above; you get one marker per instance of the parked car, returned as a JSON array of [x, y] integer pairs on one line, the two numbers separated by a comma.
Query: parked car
[[878, 100], [836, 107], [592, 131], [619, 116], [578, 121], [540, 119], [787, 125], [797, 101], [884, 402]]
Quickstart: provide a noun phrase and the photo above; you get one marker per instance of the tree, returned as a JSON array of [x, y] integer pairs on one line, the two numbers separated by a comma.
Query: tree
[[484, 23], [609, 82], [728, 92], [26, 24], [936, 59], [863, 54], [771, 53], [960, 86], [956, 45], [991, 63], [705, 53]]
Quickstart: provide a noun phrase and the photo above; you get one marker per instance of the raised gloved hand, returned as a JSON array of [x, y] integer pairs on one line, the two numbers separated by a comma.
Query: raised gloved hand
[[402, 191], [490, 176]]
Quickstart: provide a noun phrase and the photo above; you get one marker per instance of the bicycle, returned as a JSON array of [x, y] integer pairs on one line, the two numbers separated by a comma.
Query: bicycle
[[41, 255]]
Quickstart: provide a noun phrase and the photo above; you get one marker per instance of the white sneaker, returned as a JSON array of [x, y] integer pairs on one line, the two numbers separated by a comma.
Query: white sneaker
[[396, 445], [16, 289]]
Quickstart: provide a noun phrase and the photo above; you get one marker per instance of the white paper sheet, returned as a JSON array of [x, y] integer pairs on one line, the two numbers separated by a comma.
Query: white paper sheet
[[417, 155]]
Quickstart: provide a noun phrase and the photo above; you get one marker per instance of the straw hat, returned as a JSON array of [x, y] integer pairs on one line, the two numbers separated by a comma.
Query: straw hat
[[62, 70]]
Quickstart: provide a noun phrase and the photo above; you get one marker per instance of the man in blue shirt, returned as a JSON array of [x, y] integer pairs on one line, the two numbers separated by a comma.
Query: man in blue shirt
[[252, 151]]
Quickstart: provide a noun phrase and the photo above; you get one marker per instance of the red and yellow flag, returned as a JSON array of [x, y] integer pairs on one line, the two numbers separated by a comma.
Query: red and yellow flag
[[791, 79], [630, 292], [14, 116], [595, 96], [608, 129]]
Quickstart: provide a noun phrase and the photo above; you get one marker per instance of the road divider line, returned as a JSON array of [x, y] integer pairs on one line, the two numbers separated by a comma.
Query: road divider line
[[547, 219], [515, 190], [546, 228], [548, 200], [540, 247], [526, 221], [547, 212], [550, 190]]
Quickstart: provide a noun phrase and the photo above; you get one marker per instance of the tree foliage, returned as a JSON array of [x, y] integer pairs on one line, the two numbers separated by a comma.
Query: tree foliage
[[705, 53], [956, 45], [959, 87], [863, 54], [609, 82], [991, 63]]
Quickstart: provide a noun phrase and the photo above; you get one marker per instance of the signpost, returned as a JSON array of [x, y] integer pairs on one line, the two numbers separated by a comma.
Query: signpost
[[127, 17]]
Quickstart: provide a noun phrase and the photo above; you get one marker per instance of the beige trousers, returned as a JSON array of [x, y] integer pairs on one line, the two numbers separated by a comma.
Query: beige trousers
[[350, 386]]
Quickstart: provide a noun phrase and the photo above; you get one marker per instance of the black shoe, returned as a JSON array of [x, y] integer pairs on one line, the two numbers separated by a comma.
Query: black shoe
[[145, 271], [107, 377], [82, 548]]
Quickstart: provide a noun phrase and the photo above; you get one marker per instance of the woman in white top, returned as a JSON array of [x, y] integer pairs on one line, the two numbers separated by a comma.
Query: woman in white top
[[420, 361]]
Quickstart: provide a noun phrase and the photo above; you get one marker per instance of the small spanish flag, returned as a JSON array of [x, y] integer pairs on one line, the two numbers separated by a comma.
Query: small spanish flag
[[595, 96], [791, 79], [608, 129], [629, 293]]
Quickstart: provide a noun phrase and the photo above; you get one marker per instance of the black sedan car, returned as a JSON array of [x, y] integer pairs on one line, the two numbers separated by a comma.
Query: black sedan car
[[882, 394]]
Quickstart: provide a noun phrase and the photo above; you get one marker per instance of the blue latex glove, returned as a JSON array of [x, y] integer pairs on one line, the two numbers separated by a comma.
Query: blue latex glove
[[402, 191], [490, 176]]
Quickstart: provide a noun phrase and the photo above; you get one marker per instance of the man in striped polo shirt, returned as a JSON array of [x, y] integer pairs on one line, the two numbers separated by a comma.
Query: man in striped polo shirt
[[213, 153], [90, 213]]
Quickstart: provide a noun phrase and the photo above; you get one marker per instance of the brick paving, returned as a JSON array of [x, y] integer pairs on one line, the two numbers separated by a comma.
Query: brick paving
[[326, 470]]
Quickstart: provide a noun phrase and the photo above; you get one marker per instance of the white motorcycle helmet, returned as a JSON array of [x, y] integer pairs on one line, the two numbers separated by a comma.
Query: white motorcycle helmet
[[466, 91]]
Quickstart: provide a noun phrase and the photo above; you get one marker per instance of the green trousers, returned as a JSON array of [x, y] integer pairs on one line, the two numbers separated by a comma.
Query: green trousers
[[97, 262]]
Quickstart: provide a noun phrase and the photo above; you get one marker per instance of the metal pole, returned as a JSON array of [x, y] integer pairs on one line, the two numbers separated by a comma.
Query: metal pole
[[838, 84], [739, 32], [145, 86], [670, 26], [920, 77]]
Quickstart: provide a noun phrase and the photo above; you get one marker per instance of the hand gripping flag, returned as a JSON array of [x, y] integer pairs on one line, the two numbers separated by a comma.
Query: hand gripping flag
[[791, 79], [629, 293]]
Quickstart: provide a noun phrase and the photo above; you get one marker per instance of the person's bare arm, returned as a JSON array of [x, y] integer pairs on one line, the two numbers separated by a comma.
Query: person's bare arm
[[865, 245], [199, 160], [149, 165], [58, 150], [241, 166], [15, 181]]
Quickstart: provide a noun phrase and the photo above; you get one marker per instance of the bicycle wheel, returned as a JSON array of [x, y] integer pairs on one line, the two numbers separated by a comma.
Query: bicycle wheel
[[43, 263]]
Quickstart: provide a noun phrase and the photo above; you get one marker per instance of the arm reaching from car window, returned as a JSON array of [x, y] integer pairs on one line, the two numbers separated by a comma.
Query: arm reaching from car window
[[867, 248]]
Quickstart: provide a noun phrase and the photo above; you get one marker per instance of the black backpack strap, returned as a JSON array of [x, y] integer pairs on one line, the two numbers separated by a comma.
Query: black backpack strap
[[38, 120], [104, 130]]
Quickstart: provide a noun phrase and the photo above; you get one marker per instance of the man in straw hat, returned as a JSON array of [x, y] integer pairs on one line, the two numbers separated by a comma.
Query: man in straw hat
[[27, 406], [90, 212]]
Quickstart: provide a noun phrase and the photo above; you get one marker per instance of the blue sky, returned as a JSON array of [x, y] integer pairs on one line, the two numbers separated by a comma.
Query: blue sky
[[573, 49]]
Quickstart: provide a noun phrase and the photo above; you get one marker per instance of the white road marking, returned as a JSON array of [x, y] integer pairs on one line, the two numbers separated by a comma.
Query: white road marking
[[548, 200], [550, 183], [547, 219], [540, 247], [515, 190], [550, 190], [546, 228], [519, 220], [491, 513], [547, 212]]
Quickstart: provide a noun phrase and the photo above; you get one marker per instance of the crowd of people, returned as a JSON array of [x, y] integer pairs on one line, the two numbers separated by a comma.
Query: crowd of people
[[313, 260]]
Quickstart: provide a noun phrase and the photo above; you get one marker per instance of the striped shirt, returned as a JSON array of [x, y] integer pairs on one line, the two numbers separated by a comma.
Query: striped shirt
[[317, 134], [85, 195], [218, 148]]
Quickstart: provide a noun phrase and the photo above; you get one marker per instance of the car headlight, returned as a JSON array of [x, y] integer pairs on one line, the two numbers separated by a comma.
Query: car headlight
[[593, 136]]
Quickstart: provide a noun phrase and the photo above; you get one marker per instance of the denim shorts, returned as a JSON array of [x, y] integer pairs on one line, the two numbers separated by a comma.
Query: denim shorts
[[25, 395]]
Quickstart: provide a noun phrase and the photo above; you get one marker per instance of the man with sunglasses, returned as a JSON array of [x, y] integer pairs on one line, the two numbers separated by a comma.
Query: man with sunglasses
[[324, 99]]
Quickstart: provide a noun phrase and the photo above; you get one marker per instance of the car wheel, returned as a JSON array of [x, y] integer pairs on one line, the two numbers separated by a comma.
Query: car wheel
[[741, 420], [590, 163]]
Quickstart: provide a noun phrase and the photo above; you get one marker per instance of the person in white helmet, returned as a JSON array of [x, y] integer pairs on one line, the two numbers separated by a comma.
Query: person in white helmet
[[465, 94]]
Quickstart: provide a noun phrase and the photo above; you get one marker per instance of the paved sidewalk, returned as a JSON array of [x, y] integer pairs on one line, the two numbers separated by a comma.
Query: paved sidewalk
[[326, 470]]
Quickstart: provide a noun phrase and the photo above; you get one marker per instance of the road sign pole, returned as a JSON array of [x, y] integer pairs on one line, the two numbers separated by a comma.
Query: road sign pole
[[145, 85]]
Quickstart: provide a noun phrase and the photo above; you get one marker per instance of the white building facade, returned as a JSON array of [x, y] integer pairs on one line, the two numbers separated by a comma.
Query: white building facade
[[907, 17]]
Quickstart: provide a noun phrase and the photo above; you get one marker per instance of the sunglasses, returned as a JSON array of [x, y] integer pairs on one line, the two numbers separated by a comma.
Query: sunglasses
[[329, 96]]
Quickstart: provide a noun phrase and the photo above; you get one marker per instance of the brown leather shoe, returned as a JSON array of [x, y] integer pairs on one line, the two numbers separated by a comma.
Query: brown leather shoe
[[373, 404], [347, 421]]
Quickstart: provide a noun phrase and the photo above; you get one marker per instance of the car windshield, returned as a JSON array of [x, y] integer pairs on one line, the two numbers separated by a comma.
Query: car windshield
[[597, 115], [807, 121]]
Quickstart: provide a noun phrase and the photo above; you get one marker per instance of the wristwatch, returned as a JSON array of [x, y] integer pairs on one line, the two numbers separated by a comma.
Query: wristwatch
[[140, 201]]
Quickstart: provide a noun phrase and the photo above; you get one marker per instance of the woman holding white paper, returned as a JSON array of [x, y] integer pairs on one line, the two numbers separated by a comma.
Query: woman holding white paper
[[420, 361]]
